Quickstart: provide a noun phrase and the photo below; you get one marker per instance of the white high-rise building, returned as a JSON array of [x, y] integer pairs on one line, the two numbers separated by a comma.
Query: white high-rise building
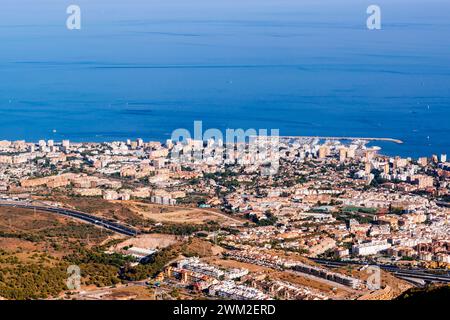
[[342, 154], [169, 143], [369, 248], [66, 143], [443, 158]]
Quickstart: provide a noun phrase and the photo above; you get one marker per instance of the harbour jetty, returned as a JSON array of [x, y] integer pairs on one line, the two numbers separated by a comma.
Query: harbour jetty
[[344, 138]]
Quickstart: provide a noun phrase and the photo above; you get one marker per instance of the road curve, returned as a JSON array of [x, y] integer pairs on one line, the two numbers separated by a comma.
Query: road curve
[[101, 222]]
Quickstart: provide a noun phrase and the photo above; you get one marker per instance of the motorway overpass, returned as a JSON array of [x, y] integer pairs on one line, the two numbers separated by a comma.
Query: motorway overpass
[[443, 204], [101, 222], [418, 274]]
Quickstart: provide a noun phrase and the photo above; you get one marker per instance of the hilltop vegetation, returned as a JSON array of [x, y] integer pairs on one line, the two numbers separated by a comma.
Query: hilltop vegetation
[[37, 249], [31, 280], [431, 293]]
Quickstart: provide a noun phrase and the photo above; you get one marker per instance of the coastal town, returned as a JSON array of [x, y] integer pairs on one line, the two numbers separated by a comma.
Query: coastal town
[[308, 219]]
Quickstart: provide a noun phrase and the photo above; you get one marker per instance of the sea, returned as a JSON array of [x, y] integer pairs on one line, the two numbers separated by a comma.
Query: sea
[[144, 68]]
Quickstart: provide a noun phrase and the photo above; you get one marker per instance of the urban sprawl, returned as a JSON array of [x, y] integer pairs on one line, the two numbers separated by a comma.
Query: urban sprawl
[[310, 229]]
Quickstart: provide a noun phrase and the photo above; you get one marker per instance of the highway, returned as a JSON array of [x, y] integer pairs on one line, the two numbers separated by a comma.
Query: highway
[[443, 204], [421, 274], [101, 222]]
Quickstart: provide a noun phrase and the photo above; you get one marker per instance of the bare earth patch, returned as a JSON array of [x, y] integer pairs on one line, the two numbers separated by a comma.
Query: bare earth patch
[[148, 241], [167, 214]]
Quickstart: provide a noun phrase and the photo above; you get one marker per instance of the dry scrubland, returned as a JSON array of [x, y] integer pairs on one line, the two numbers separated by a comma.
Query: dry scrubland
[[149, 241], [35, 249], [39, 246], [28, 230], [144, 215], [167, 214]]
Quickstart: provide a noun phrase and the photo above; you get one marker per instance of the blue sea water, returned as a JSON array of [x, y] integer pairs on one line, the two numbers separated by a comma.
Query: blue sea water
[[142, 68]]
